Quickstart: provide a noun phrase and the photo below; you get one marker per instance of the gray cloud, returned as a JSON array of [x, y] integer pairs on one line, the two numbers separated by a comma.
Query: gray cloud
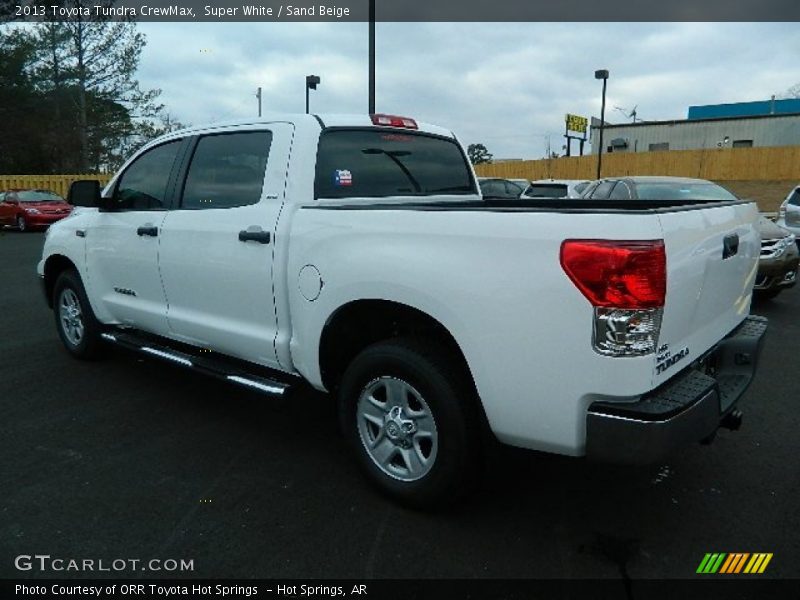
[[507, 85]]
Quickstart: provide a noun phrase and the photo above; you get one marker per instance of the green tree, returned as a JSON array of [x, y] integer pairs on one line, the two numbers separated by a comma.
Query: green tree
[[478, 154], [23, 147], [93, 63]]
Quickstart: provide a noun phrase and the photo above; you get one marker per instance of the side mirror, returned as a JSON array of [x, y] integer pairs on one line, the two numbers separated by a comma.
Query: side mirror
[[85, 192]]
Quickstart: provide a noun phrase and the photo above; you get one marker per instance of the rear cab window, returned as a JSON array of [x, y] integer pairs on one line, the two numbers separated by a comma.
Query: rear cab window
[[380, 163]]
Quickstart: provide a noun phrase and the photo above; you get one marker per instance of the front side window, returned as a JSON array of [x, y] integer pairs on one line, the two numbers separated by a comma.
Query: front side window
[[227, 170], [143, 185], [378, 163], [794, 198]]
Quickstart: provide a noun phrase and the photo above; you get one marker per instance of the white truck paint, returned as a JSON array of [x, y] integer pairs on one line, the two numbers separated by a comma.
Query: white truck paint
[[489, 274]]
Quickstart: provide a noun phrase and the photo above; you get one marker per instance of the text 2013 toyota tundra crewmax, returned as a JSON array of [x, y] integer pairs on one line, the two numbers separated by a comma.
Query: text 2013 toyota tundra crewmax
[[356, 253]]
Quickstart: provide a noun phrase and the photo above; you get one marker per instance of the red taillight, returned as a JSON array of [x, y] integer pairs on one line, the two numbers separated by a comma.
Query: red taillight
[[619, 274], [394, 121]]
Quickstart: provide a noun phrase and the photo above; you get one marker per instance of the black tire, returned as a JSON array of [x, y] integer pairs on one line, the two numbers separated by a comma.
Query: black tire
[[432, 371], [68, 290], [22, 224]]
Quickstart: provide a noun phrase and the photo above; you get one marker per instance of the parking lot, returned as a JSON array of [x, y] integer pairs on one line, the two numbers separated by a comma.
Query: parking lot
[[132, 458]]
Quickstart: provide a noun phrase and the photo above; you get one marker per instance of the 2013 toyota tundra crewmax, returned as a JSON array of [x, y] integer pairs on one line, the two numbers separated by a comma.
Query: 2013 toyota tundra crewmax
[[356, 253]]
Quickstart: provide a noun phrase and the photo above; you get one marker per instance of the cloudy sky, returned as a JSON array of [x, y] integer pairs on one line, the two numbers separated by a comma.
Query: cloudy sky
[[506, 85]]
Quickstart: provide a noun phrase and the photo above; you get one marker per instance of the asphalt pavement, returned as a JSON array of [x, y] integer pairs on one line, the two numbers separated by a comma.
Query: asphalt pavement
[[131, 458]]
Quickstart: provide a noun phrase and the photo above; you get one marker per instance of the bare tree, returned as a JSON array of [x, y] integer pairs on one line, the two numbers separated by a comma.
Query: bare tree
[[792, 92]]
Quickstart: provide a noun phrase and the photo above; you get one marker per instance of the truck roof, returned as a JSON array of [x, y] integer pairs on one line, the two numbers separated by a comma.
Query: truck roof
[[326, 119]]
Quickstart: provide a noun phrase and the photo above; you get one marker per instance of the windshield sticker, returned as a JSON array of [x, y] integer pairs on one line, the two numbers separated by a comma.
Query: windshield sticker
[[342, 177]]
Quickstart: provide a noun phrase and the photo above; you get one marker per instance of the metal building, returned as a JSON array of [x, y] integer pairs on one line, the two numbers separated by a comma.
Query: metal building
[[744, 124]]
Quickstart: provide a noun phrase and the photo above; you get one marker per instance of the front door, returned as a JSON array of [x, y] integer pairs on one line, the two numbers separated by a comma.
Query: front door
[[217, 245], [122, 245]]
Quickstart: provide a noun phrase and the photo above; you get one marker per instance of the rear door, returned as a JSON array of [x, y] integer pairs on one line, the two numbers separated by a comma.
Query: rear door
[[217, 246], [712, 260]]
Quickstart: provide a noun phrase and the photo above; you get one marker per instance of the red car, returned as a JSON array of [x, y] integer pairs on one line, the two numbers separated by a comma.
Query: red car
[[27, 209]]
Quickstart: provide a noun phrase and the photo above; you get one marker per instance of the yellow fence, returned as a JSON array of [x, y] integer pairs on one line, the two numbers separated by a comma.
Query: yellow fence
[[56, 183], [728, 164]]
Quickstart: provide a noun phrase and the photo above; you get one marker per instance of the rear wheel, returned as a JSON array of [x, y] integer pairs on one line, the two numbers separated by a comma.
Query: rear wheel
[[409, 415], [22, 224], [77, 326]]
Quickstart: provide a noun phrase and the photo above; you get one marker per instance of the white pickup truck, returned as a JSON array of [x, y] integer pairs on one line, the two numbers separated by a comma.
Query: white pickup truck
[[356, 253]]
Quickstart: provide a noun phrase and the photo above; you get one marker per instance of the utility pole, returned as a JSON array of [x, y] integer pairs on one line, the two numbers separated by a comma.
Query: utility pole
[[258, 95], [371, 108], [601, 74], [311, 84]]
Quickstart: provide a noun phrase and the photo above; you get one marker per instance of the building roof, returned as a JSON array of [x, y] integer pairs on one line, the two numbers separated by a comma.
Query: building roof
[[681, 121], [758, 108]]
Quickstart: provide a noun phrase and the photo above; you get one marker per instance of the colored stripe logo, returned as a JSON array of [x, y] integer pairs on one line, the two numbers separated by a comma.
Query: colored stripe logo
[[734, 563]]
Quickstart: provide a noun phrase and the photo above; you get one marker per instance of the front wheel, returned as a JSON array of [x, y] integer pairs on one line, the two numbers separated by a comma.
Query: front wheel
[[409, 414], [77, 326], [22, 224]]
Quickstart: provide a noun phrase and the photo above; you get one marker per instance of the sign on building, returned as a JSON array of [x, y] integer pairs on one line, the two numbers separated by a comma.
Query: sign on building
[[576, 123]]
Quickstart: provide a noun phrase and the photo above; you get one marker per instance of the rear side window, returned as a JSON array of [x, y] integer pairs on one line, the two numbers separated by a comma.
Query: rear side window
[[379, 163], [143, 185], [227, 170]]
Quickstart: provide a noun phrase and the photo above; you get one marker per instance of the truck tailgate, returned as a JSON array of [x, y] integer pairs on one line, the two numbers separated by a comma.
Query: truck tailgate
[[712, 259]]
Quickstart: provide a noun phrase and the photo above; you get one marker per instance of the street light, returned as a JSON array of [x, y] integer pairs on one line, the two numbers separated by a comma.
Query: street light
[[312, 81], [601, 74], [371, 52]]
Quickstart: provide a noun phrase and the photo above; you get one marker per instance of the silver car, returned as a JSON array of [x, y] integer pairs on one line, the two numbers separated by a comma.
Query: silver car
[[555, 188], [789, 213]]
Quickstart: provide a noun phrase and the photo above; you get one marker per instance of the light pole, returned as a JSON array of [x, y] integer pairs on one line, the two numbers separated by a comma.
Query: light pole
[[601, 74], [258, 95], [371, 57], [311, 84]]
